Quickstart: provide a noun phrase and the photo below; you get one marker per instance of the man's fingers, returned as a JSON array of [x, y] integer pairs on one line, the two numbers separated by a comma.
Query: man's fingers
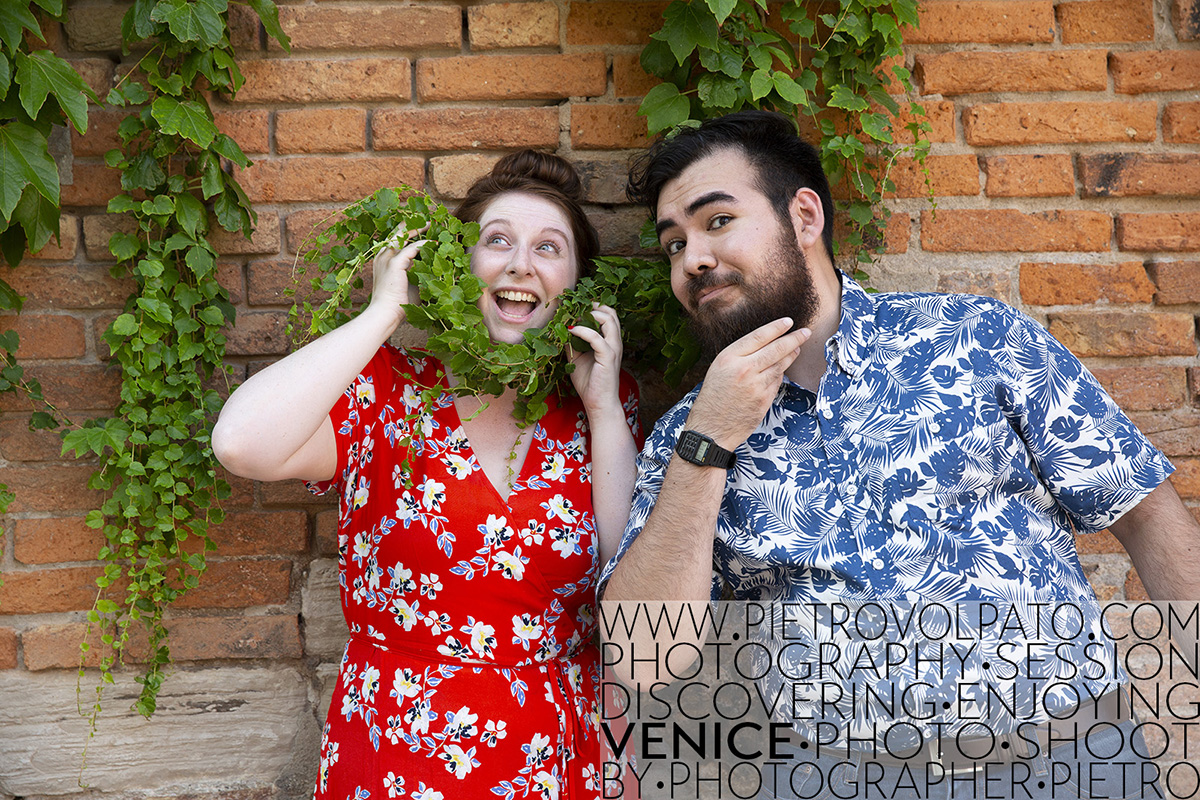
[[759, 337], [784, 349]]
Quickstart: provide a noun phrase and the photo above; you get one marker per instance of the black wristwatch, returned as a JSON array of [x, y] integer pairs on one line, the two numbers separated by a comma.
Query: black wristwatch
[[703, 451]]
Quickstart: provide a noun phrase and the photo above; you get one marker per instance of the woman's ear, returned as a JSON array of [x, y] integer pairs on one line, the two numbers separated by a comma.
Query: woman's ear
[[808, 218]]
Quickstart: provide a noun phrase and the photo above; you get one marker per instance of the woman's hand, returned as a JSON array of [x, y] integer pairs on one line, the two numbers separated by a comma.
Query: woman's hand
[[597, 374], [390, 287]]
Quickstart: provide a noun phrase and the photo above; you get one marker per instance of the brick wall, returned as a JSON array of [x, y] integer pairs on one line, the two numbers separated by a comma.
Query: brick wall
[[1066, 164]]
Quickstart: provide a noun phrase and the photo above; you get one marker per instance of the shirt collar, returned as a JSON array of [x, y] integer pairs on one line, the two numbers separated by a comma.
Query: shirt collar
[[855, 337]]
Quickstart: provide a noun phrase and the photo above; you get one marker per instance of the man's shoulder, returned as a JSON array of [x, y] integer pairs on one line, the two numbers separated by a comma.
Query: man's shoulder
[[940, 306]]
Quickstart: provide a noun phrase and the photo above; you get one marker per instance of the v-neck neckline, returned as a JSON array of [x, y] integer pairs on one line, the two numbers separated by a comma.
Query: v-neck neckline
[[518, 475]]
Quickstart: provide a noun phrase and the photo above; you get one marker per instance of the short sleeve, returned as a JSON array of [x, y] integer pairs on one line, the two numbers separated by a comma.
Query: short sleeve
[[631, 404], [1090, 455], [346, 417]]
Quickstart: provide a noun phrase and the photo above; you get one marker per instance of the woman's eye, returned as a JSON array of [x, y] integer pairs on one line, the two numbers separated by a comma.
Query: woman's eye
[[496, 238], [549, 247]]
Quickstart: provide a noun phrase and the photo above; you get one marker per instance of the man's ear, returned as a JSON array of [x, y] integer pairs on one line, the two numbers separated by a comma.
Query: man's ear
[[808, 217]]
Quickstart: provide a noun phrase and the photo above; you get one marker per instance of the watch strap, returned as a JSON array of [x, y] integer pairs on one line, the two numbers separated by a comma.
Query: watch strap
[[696, 448]]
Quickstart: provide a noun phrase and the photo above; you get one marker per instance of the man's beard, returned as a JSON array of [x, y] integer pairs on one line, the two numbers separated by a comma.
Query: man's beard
[[789, 294]]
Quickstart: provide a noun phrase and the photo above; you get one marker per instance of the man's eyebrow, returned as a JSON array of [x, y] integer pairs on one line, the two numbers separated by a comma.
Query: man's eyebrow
[[716, 196]]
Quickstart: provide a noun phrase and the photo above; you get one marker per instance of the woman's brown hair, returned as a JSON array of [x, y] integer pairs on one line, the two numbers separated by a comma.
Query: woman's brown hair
[[544, 175]]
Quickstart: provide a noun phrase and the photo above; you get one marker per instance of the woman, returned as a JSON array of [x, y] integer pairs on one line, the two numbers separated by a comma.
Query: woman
[[468, 584]]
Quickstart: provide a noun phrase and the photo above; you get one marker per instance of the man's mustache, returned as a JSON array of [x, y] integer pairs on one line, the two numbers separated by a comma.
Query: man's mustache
[[708, 280]]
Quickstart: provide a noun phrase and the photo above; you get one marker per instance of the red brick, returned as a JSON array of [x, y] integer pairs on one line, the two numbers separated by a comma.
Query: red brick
[[1164, 71], [1186, 478], [97, 73], [58, 646], [629, 79], [1139, 174], [541, 77], [101, 133], [229, 275], [897, 233], [321, 130], [949, 176], [609, 23], [1144, 388], [1174, 431], [1181, 122], [55, 540], [44, 591], [66, 286], [71, 387], [973, 72], [251, 129], [326, 523], [1178, 232], [1009, 230], [1066, 122], [94, 27], [8, 648], [1185, 17], [986, 21], [1073, 284], [302, 226], [452, 176], [1119, 333], [258, 333], [1029, 175], [269, 280], [292, 493], [313, 81], [240, 584], [991, 284], [98, 230], [61, 249], [1092, 21], [19, 443], [264, 240], [325, 179], [382, 27], [46, 335], [1178, 281], [500, 25], [607, 126], [246, 533], [464, 128], [940, 114], [244, 27], [91, 185]]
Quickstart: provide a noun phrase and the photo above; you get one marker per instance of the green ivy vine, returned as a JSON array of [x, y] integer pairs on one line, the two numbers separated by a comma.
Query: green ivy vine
[[38, 90], [157, 467], [719, 56]]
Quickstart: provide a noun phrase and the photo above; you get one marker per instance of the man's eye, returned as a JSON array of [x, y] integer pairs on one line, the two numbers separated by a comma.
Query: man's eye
[[674, 246], [720, 221]]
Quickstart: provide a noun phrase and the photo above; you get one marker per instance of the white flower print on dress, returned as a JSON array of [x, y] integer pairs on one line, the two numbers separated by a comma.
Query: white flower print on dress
[[496, 530], [438, 623], [402, 581], [526, 628], [461, 724], [365, 393], [407, 508], [370, 683], [430, 585], [509, 564], [483, 638], [394, 784], [362, 493], [425, 794], [493, 732], [406, 615], [554, 467], [459, 467], [560, 507], [533, 534], [566, 542], [419, 716], [547, 784], [538, 750], [410, 398], [432, 494], [459, 762], [406, 683]]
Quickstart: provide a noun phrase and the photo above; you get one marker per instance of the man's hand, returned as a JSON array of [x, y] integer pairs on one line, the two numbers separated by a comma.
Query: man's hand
[[742, 382]]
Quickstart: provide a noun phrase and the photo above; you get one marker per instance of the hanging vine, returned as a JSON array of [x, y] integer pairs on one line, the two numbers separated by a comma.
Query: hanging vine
[[38, 90], [157, 466], [719, 56]]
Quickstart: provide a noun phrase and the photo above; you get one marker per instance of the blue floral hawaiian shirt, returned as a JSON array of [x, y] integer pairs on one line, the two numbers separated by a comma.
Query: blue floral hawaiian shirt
[[951, 451]]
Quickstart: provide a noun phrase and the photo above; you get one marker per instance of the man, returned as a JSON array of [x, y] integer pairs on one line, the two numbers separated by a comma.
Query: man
[[847, 447]]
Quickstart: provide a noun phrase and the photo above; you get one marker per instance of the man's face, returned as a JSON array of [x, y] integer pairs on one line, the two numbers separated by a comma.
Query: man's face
[[734, 265]]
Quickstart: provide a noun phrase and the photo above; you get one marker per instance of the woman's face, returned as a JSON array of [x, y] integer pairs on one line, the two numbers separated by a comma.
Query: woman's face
[[526, 256]]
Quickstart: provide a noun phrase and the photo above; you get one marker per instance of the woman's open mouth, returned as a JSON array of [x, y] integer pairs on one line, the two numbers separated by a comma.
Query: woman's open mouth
[[514, 305]]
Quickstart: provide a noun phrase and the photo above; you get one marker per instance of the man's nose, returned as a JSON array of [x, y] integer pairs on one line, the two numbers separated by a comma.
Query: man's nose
[[698, 258]]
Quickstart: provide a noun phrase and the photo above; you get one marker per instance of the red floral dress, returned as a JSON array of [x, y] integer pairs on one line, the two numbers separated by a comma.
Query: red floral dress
[[469, 672]]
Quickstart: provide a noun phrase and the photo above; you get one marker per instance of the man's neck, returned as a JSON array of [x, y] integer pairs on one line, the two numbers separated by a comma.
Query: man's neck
[[809, 367]]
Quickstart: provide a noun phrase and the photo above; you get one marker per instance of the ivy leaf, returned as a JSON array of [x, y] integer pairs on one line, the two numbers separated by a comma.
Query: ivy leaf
[[52, 7], [664, 107], [268, 12], [197, 21], [227, 147], [190, 212], [842, 97], [24, 159], [790, 90], [15, 16], [143, 173], [125, 325], [876, 126], [138, 22], [761, 83], [188, 119], [12, 247], [721, 9], [657, 58], [41, 73], [10, 301], [688, 26], [38, 216], [724, 60], [5, 77], [906, 12], [717, 91]]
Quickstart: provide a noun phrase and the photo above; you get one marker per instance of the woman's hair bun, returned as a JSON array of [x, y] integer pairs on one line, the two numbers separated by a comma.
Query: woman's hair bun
[[544, 167]]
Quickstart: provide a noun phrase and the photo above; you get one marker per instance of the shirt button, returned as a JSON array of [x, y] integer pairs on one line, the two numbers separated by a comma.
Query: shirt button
[[934, 427], [877, 563], [827, 413]]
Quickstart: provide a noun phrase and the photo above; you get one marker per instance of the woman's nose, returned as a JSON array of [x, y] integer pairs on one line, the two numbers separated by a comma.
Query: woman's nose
[[521, 262]]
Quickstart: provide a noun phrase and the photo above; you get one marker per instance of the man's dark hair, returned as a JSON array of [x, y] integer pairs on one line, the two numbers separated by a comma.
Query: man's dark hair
[[784, 162]]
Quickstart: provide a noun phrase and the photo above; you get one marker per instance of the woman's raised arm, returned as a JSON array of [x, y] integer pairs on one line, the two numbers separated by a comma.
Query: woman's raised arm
[[276, 424]]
